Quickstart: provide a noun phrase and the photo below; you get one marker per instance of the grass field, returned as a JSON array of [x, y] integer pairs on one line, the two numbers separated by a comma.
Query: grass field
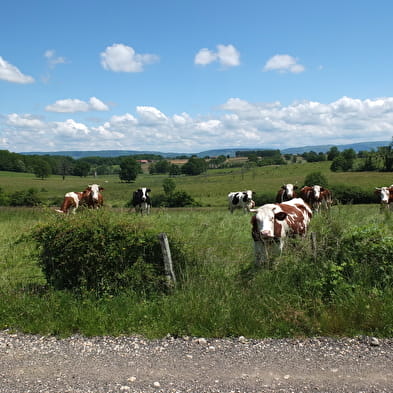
[[223, 295], [208, 189]]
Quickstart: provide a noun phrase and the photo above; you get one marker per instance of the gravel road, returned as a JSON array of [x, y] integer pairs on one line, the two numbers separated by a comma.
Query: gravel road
[[133, 364]]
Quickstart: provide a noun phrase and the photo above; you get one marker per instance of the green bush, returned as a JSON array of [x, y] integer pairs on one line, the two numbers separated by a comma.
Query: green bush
[[352, 194], [25, 198], [175, 199], [91, 252]]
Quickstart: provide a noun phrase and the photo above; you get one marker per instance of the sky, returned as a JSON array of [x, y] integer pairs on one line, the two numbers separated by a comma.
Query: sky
[[187, 76]]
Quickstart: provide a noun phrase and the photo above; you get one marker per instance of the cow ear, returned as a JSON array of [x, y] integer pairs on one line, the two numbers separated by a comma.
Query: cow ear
[[283, 186], [148, 190], [101, 188], [280, 216], [295, 187]]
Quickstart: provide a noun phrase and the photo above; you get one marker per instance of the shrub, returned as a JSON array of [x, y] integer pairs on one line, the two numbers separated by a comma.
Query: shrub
[[352, 194], [91, 252], [25, 198], [175, 199], [316, 178]]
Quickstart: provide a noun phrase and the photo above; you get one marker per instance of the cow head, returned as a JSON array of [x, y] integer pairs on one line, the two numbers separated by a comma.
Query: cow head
[[94, 190], [383, 193], [246, 195], [289, 189], [266, 223], [317, 191], [143, 193]]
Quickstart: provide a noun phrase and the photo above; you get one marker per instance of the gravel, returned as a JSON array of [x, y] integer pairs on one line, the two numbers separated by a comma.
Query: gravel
[[30, 363]]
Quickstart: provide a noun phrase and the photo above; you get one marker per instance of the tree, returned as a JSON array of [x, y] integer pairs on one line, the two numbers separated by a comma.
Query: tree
[[332, 153], [161, 166], [174, 170], [169, 186], [42, 169], [314, 178], [194, 166], [386, 153], [129, 169], [81, 168]]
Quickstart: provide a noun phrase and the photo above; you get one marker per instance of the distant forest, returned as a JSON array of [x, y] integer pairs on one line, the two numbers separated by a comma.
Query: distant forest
[[45, 165]]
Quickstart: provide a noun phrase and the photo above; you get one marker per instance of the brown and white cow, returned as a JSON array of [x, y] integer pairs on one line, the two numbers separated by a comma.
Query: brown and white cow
[[273, 222], [385, 195], [286, 193], [94, 199], [317, 197], [72, 200], [240, 200]]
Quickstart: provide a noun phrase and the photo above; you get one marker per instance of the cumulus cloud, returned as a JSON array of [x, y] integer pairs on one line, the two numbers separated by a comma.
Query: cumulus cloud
[[284, 63], [75, 105], [237, 123], [10, 73], [123, 58], [226, 55]]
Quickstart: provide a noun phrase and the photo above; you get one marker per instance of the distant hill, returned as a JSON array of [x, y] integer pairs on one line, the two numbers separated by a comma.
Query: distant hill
[[363, 146]]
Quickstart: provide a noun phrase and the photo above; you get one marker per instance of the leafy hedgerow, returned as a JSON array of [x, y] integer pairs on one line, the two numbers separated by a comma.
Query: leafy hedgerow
[[92, 252]]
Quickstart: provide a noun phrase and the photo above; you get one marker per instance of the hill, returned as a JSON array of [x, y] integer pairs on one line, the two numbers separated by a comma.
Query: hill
[[363, 146]]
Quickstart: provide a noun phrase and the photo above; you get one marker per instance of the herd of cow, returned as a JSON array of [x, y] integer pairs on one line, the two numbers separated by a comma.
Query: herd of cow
[[290, 215], [92, 198]]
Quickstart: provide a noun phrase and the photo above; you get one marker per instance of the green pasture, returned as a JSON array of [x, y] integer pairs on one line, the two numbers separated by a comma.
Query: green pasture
[[209, 189], [341, 287], [223, 294]]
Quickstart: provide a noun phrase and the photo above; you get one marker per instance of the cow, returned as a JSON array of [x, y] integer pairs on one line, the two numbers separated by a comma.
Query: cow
[[317, 197], [286, 193], [385, 195], [72, 200], [273, 222], [141, 200], [94, 199], [240, 199]]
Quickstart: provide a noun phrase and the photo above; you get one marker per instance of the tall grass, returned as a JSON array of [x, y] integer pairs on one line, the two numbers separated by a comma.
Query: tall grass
[[221, 295]]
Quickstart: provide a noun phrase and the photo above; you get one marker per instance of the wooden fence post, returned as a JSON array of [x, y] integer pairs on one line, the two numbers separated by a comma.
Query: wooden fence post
[[166, 252], [314, 245]]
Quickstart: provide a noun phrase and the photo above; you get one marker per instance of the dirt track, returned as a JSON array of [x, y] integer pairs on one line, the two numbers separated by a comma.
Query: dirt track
[[133, 364]]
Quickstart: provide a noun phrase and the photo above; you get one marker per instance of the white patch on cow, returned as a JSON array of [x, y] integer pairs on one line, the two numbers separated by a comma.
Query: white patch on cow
[[74, 196], [95, 190]]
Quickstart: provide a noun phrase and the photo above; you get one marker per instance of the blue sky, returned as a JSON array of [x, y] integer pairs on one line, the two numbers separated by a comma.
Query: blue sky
[[188, 76]]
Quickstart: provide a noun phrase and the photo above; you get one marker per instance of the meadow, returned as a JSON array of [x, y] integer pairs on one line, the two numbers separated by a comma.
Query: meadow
[[341, 288]]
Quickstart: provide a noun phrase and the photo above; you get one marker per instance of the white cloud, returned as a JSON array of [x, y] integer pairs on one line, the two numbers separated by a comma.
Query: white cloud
[[10, 73], [226, 55], [150, 114], [283, 63], [237, 123], [75, 105], [52, 59], [123, 58], [205, 56]]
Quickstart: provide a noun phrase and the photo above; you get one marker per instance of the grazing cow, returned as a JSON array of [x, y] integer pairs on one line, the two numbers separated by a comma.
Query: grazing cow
[[273, 222], [241, 199], [72, 200], [385, 195], [286, 193], [94, 199], [317, 197], [141, 200]]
